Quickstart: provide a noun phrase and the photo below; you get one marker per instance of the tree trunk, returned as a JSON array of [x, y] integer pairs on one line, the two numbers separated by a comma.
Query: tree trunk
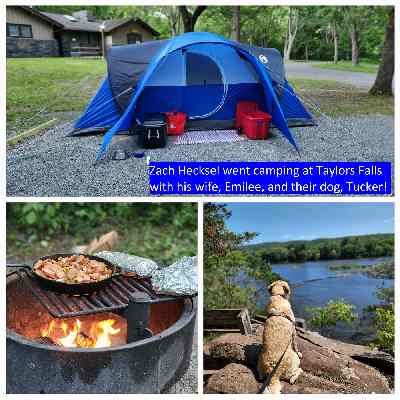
[[384, 77], [189, 19], [306, 52], [354, 45], [174, 21], [335, 44], [236, 23], [291, 33]]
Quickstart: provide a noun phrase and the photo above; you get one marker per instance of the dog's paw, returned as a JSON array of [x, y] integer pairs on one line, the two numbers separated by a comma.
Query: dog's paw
[[300, 354], [295, 376]]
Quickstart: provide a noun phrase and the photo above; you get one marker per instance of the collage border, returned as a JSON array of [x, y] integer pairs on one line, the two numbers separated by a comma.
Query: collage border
[[201, 200]]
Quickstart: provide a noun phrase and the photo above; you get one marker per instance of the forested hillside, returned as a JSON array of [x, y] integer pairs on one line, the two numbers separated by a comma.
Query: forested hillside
[[349, 247]]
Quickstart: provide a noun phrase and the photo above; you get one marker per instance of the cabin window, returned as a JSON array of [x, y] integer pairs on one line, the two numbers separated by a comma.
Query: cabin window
[[19, 30], [134, 37]]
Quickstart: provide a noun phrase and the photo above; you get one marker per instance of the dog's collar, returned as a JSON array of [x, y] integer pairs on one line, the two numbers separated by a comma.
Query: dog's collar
[[276, 314]]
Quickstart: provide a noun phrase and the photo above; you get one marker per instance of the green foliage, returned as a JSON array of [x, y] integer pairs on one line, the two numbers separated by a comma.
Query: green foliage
[[367, 246], [224, 260], [383, 271], [163, 232], [332, 313], [386, 295], [260, 269], [384, 321]]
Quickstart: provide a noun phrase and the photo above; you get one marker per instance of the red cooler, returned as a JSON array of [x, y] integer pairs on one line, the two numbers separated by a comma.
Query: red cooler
[[256, 125], [242, 108], [175, 123]]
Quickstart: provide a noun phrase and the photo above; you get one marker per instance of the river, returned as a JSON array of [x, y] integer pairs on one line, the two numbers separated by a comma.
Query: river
[[314, 284]]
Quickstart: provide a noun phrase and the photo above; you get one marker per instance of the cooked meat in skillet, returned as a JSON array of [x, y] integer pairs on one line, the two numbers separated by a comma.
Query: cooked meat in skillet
[[73, 269]]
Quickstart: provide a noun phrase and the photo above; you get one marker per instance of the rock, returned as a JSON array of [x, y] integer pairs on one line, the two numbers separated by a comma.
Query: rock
[[232, 379], [352, 376], [310, 384], [326, 370], [384, 362], [301, 323], [381, 361], [232, 348]]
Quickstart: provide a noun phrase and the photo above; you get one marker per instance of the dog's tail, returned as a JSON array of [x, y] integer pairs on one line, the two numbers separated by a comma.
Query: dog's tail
[[271, 381]]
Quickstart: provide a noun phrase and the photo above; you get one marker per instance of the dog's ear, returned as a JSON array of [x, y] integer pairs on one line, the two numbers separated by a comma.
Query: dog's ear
[[271, 286], [286, 288]]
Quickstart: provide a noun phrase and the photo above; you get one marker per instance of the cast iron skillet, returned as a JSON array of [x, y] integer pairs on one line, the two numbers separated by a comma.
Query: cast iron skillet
[[71, 288]]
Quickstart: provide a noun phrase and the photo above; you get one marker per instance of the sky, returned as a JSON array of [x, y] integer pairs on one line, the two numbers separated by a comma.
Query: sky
[[305, 221]]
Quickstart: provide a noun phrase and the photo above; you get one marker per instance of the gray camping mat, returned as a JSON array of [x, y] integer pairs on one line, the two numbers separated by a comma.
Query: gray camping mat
[[211, 136]]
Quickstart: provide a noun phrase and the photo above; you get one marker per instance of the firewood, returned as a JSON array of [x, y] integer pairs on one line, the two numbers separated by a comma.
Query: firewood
[[46, 340]]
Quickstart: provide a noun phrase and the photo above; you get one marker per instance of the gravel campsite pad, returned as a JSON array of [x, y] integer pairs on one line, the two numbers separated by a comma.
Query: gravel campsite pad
[[55, 165]]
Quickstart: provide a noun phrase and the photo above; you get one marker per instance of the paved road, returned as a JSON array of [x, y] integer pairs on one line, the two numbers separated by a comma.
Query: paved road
[[307, 70]]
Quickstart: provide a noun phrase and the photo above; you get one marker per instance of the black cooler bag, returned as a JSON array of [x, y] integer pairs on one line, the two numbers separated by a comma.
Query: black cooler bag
[[153, 133]]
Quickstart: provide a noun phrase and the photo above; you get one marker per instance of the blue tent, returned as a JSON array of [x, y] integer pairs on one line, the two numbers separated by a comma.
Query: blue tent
[[199, 73]]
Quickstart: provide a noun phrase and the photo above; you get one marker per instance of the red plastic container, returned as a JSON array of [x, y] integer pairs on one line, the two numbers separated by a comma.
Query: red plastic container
[[256, 125], [175, 123], [242, 108]]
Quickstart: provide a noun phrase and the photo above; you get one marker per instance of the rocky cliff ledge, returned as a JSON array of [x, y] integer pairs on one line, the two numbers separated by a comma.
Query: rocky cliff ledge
[[329, 366]]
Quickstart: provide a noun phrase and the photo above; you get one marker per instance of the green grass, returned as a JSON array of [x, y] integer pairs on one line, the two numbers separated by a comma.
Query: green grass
[[58, 84], [338, 99], [366, 67]]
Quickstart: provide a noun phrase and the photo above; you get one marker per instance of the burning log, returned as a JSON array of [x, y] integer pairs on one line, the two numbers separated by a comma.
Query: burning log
[[46, 340], [90, 333]]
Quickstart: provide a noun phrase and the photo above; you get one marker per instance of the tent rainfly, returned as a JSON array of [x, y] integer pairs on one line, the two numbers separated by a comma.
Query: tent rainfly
[[199, 73]]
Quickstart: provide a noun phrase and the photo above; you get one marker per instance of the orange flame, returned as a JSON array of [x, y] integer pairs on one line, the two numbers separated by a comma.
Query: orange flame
[[100, 333]]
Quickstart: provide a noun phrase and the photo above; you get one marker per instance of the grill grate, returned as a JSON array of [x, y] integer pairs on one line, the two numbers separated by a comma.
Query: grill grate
[[114, 296]]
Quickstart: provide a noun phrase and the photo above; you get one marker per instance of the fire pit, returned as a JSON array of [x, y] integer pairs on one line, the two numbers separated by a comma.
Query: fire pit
[[123, 339]]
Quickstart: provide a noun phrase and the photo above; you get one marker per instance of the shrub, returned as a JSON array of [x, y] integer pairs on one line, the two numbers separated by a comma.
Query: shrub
[[332, 313]]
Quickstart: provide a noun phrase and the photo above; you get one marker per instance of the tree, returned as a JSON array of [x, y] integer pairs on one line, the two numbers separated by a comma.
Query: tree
[[174, 20], [355, 44], [334, 15], [223, 259], [384, 77], [357, 19], [189, 19], [236, 23], [292, 25], [352, 14]]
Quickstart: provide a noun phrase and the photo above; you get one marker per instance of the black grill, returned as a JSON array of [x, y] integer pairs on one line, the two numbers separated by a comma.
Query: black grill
[[114, 296]]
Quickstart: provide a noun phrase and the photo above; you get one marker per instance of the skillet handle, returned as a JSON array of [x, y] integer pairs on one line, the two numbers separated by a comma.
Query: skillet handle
[[121, 272], [19, 266]]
